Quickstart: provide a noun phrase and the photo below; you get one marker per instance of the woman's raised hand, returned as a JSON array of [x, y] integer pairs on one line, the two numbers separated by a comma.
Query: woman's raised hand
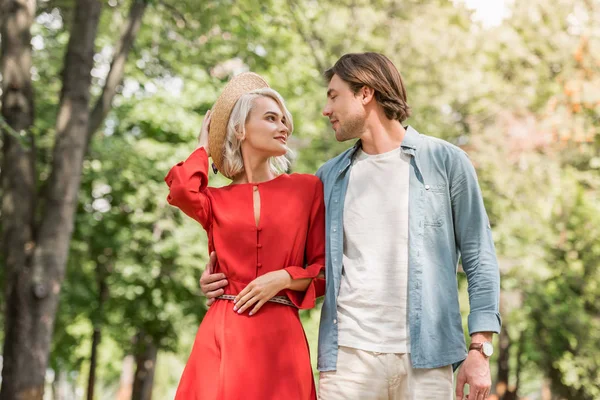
[[203, 136]]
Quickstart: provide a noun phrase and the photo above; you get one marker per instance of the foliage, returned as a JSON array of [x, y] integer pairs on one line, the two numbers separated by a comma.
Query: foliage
[[523, 98]]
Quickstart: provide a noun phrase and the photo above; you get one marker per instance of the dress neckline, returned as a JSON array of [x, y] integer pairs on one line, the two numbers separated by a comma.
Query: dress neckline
[[257, 183]]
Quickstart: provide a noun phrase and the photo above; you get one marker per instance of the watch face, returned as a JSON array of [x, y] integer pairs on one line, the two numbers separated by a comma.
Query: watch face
[[488, 349]]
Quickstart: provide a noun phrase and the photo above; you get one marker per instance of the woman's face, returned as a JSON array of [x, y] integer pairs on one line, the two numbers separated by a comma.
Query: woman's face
[[266, 132]]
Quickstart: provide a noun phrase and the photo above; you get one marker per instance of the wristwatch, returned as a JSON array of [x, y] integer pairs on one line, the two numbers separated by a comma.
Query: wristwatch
[[485, 348]]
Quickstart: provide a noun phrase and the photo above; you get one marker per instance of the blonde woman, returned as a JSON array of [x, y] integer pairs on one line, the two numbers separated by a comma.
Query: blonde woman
[[268, 230]]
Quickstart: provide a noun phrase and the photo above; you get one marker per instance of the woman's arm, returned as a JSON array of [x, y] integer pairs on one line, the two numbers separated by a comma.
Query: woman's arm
[[188, 181]]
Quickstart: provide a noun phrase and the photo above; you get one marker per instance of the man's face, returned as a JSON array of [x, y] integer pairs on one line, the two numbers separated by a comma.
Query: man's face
[[345, 110]]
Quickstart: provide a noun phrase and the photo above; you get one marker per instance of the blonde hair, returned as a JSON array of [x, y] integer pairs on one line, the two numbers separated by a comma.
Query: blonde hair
[[233, 162]]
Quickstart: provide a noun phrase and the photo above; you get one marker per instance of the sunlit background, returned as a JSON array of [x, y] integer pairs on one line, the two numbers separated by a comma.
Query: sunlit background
[[514, 83]]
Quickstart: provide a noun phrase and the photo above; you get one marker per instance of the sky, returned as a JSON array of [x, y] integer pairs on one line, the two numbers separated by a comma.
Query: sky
[[489, 12]]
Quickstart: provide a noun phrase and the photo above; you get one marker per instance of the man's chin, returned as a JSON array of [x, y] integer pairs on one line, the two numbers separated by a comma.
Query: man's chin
[[340, 137]]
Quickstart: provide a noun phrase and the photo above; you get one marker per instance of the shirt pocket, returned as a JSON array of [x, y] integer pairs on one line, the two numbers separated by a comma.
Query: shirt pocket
[[436, 205]]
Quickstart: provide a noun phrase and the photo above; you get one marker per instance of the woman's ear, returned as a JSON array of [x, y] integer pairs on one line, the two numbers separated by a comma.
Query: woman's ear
[[239, 135]]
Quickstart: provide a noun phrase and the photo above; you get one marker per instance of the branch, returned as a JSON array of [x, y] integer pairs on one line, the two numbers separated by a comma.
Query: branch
[[176, 13], [309, 39], [117, 67]]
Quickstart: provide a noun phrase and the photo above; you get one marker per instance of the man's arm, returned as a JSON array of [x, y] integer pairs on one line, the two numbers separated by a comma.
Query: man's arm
[[474, 240], [211, 284]]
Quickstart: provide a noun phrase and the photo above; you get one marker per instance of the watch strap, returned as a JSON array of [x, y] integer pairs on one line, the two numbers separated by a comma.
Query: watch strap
[[476, 346]]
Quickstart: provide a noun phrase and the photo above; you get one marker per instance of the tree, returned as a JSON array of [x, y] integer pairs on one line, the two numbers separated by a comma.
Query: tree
[[37, 225]]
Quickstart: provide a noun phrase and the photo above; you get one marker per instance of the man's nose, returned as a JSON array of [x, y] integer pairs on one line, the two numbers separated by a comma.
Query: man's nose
[[326, 111]]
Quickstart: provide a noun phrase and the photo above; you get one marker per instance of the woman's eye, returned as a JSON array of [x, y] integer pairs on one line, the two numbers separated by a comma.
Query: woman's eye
[[271, 118]]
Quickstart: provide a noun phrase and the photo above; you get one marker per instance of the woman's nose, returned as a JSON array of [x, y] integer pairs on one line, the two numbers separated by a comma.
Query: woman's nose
[[283, 128]]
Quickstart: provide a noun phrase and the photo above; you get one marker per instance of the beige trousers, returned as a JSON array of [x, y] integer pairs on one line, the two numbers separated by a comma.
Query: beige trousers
[[365, 375]]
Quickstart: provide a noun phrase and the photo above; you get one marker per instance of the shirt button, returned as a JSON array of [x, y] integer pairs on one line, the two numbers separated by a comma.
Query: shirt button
[[335, 260], [335, 321], [259, 265], [335, 230], [335, 201], [426, 187]]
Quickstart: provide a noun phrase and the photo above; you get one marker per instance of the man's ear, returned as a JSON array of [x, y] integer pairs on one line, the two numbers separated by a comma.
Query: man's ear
[[367, 94]]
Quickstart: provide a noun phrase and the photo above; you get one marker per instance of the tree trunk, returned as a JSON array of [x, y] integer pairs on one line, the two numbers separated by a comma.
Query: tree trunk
[[18, 194], [117, 67], [518, 369], [503, 364], [97, 335], [36, 255], [145, 366], [33, 296]]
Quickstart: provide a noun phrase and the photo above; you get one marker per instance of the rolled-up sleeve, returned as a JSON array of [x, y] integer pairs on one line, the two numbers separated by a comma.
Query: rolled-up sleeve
[[474, 240], [314, 256]]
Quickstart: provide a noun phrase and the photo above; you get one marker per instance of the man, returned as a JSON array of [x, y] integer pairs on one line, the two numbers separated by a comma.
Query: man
[[401, 207]]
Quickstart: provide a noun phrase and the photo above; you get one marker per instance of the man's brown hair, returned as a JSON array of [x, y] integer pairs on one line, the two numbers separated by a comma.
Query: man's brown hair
[[377, 72]]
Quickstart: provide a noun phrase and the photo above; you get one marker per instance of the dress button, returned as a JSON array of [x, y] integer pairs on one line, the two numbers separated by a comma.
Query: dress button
[[258, 229], [426, 187], [259, 246], [259, 265]]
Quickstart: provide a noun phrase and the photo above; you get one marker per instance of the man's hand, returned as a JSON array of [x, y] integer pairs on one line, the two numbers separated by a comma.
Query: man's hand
[[211, 284], [475, 372]]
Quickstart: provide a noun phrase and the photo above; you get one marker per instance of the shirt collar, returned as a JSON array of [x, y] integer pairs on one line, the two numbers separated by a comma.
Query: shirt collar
[[411, 138], [409, 145], [410, 141]]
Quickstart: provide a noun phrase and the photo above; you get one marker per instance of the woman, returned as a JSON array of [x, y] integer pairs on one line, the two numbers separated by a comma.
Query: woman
[[268, 229]]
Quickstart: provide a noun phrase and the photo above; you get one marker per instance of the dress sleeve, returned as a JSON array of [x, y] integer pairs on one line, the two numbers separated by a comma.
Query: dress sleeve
[[187, 183], [314, 256]]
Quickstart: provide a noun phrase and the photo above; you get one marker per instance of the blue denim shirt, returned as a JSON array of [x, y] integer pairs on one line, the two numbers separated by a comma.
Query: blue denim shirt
[[447, 220]]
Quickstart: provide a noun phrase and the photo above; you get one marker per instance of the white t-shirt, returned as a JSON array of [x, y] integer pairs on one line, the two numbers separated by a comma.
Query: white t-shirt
[[372, 302]]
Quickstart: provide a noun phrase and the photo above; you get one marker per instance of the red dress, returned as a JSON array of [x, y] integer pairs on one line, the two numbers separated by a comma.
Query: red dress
[[264, 356]]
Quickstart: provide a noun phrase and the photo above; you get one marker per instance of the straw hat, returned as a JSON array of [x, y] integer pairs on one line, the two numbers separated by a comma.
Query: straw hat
[[235, 88]]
